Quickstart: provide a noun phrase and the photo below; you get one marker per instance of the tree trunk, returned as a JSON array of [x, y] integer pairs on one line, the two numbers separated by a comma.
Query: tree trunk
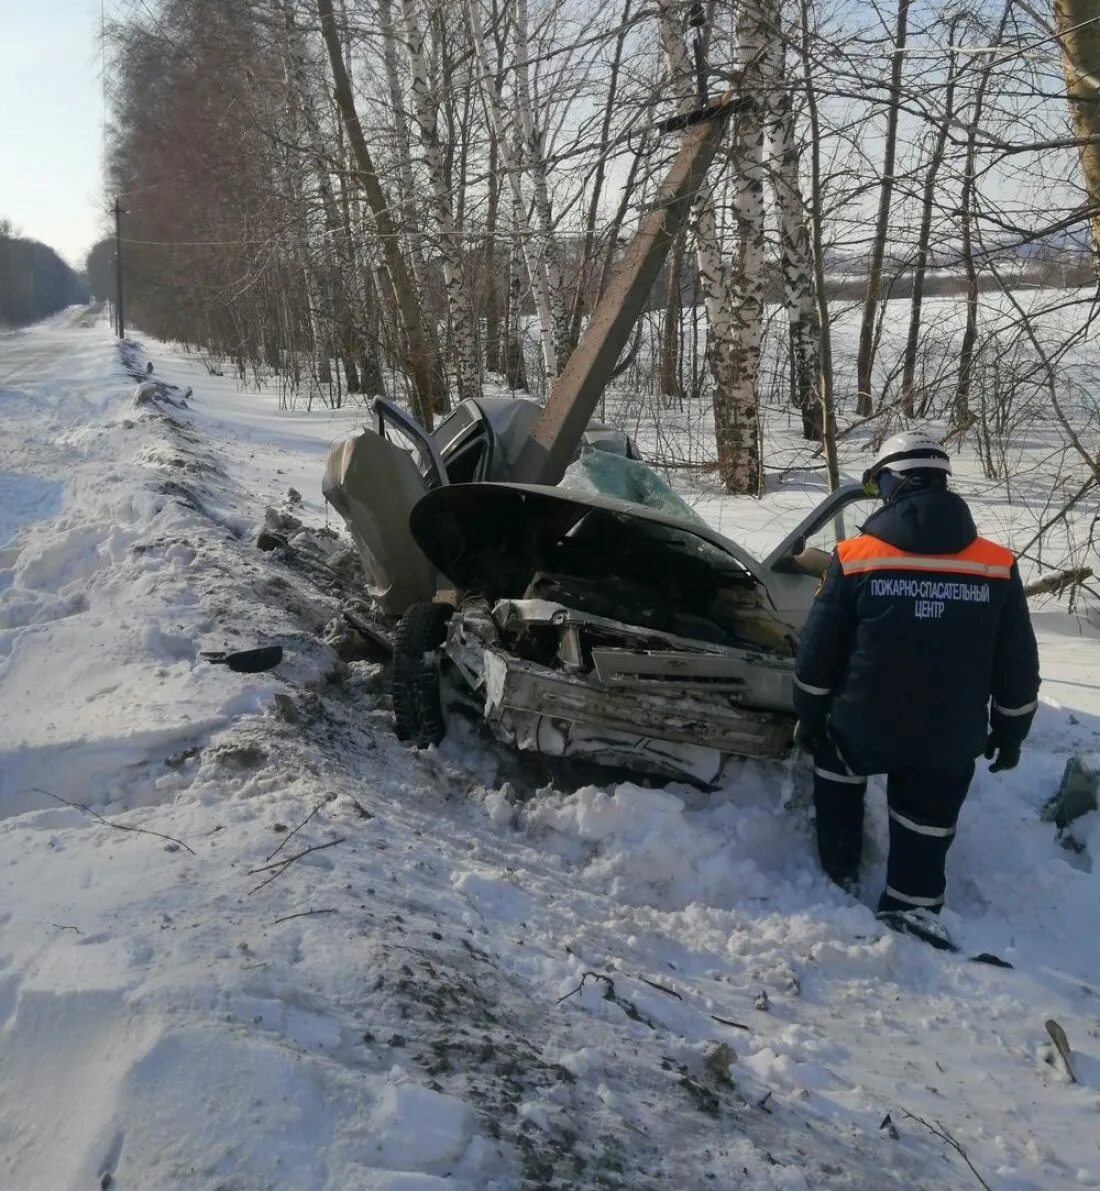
[[493, 354], [795, 256], [817, 239], [1079, 36], [410, 218], [463, 336], [736, 412], [961, 415], [924, 237], [733, 349], [865, 360], [515, 368], [534, 160], [580, 296], [669, 371], [418, 355], [538, 273]]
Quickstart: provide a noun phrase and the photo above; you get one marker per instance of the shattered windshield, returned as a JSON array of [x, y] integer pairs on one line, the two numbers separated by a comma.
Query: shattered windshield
[[604, 474]]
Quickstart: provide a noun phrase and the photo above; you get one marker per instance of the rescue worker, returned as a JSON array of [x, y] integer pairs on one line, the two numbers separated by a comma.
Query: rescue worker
[[917, 626]]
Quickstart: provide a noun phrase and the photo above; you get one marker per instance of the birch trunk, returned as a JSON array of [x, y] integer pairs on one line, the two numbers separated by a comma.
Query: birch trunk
[[463, 337], [300, 245], [534, 160], [817, 239], [733, 342], [669, 369], [493, 353], [962, 419], [1079, 36], [504, 128], [515, 368], [924, 236], [736, 416], [346, 317], [587, 252], [410, 218], [865, 360], [420, 361], [795, 256]]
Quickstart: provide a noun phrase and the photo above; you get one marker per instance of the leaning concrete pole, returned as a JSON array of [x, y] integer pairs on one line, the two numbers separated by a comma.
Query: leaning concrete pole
[[588, 370], [1078, 25]]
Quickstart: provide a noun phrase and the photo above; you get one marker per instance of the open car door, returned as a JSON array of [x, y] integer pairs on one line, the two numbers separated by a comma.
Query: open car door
[[795, 567], [373, 483]]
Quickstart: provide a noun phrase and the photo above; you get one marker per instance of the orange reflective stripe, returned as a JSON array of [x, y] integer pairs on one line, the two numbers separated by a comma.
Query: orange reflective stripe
[[868, 553]]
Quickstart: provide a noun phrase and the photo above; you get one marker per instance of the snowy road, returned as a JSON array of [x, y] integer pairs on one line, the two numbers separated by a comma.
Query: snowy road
[[478, 979]]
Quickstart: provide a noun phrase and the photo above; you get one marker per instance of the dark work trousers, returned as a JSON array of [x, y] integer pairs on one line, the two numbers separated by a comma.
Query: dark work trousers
[[924, 809]]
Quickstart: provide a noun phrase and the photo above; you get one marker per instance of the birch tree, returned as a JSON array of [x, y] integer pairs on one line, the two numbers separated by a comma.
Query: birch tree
[[1079, 36], [944, 124], [463, 333], [732, 305], [545, 282], [865, 360], [736, 410], [795, 256], [420, 360]]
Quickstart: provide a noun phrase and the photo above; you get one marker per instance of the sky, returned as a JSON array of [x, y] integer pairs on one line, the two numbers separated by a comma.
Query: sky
[[51, 115]]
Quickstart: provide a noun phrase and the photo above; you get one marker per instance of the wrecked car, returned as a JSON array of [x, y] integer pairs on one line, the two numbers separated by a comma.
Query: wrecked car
[[600, 618]]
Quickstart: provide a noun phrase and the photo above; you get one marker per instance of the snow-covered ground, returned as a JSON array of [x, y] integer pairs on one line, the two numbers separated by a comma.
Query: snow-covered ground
[[484, 976]]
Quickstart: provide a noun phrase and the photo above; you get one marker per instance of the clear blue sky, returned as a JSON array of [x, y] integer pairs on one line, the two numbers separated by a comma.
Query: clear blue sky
[[51, 118]]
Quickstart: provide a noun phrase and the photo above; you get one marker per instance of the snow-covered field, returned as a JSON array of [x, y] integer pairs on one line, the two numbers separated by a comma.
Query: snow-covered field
[[484, 976]]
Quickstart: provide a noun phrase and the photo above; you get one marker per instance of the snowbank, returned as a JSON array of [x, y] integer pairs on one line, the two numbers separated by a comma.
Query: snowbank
[[337, 963]]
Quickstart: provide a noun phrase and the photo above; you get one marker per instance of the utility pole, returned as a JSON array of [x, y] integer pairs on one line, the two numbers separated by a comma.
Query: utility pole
[[119, 317], [577, 390]]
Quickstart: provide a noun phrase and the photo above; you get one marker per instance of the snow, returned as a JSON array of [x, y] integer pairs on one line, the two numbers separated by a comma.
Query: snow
[[489, 974]]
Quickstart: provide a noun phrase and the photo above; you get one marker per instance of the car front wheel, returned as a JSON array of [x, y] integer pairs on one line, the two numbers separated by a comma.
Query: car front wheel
[[415, 681]]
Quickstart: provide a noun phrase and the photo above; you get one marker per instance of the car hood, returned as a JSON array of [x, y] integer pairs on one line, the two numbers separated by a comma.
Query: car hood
[[461, 528]]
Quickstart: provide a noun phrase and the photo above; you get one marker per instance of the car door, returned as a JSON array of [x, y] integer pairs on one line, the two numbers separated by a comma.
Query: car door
[[373, 483], [794, 569]]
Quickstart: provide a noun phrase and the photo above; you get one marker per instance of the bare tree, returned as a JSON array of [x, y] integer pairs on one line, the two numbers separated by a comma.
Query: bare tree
[[865, 361], [463, 335], [795, 256], [945, 122], [1079, 36], [418, 358]]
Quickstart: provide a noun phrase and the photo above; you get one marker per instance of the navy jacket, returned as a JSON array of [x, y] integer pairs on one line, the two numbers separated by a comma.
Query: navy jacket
[[918, 625]]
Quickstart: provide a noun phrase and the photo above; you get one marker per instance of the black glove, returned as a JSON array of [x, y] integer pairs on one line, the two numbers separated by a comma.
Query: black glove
[[809, 734], [1008, 755]]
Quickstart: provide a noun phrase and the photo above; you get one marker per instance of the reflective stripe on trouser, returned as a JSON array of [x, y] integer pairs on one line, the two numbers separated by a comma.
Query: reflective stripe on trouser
[[924, 809], [838, 803]]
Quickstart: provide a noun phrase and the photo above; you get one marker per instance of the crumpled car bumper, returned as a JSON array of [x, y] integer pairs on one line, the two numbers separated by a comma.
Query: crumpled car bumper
[[654, 703], [671, 732]]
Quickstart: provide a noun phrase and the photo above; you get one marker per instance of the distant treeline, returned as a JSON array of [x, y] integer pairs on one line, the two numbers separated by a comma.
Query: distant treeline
[[34, 280]]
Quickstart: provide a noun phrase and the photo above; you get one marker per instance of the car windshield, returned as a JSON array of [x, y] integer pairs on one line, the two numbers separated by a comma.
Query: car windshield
[[605, 474]]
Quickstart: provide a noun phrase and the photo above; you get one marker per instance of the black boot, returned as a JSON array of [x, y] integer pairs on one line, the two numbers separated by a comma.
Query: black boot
[[840, 835]]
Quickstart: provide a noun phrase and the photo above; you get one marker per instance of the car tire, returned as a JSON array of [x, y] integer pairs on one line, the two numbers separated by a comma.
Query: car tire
[[415, 679]]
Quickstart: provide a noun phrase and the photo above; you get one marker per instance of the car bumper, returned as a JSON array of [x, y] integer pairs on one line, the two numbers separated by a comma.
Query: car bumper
[[671, 714]]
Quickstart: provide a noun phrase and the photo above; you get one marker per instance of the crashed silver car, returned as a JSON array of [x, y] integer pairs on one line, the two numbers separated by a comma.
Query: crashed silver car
[[600, 618]]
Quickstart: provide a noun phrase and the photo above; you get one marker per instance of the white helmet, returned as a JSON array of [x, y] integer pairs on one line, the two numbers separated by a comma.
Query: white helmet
[[912, 450]]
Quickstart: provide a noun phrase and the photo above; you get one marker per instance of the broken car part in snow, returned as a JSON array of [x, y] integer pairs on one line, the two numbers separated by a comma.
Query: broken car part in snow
[[1061, 1045], [247, 661], [1078, 792]]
